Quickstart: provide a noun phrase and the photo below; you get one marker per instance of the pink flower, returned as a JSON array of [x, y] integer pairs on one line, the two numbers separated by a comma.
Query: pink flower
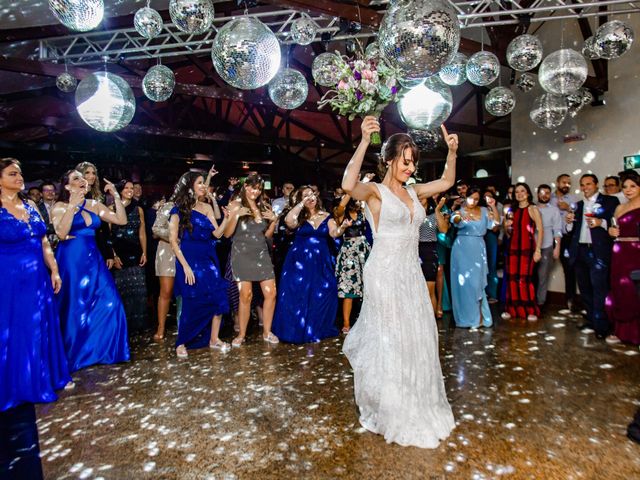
[[367, 74], [343, 85]]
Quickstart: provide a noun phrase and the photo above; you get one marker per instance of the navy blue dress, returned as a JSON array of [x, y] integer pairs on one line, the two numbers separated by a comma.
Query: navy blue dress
[[32, 359], [308, 290], [207, 297], [94, 325]]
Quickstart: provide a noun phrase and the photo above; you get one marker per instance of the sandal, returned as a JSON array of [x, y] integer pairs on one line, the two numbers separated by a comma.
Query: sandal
[[157, 337], [345, 330], [271, 338], [237, 342], [220, 345], [181, 351]]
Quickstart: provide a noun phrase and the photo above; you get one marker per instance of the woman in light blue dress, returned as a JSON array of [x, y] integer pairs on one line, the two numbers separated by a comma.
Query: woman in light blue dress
[[469, 262]]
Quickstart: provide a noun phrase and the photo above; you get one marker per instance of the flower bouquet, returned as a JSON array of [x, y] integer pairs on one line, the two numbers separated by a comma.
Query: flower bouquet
[[364, 86]]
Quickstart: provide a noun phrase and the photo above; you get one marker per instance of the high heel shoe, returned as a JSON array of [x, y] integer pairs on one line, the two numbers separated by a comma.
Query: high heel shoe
[[237, 342], [181, 351]]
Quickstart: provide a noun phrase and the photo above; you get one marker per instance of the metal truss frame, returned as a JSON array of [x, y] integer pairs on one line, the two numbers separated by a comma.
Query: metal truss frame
[[111, 45]]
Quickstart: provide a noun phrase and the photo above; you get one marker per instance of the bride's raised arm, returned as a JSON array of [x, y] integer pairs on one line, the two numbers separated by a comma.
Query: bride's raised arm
[[350, 181], [444, 183]]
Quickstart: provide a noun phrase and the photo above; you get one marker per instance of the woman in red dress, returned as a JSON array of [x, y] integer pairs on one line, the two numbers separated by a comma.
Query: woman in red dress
[[525, 239], [623, 305]]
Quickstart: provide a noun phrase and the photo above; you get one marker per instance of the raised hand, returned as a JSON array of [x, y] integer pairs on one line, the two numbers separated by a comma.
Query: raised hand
[[225, 212], [76, 197], [450, 139], [212, 171], [491, 201], [368, 177], [269, 215], [370, 124], [233, 181], [110, 188], [441, 203]]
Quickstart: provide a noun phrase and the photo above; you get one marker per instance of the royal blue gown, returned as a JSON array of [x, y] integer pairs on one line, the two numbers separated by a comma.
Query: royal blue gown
[[207, 297], [32, 359], [94, 325], [308, 290]]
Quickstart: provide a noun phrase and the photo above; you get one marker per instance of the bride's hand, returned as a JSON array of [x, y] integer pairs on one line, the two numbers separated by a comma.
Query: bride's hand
[[370, 124]]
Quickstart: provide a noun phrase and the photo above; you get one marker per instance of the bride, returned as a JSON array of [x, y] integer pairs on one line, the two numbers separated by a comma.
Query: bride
[[393, 348]]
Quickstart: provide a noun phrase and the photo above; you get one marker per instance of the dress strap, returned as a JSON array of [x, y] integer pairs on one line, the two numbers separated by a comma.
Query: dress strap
[[81, 207]]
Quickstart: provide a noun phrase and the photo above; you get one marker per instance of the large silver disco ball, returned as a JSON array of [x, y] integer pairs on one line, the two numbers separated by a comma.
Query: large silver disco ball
[[325, 70], [419, 37], [483, 68], [589, 49], [79, 15], [191, 16], [66, 82], [578, 100], [426, 106], [246, 53], [148, 22], [288, 89], [524, 52], [563, 72], [455, 72], [105, 101], [426, 140], [613, 39], [526, 82], [500, 101], [409, 83], [549, 111], [158, 83], [303, 30]]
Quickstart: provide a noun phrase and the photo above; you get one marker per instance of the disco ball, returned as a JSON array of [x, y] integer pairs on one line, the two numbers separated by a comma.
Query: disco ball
[[246, 53], [66, 82], [455, 72], [148, 22], [191, 16], [79, 15], [105, 101], [325, 70], [500, 101], [372, 52], [426, 140], [288, 89], [483, 68], [419, 37], [158, 83], [524, 52], [526, 82], [409, 83], [578, 100], [303, 30], [549, 111], [563, 72], [589, 49], [613, 39], [426, 106]]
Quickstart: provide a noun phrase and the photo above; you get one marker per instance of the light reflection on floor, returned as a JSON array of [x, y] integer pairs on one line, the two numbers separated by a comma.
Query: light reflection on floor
[[536, 401]]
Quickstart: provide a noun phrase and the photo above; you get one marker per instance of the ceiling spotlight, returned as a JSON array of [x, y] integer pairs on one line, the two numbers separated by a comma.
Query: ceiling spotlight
[[245, 166]]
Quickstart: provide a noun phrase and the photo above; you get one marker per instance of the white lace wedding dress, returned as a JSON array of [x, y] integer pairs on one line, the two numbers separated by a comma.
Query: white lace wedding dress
[[393, 347]]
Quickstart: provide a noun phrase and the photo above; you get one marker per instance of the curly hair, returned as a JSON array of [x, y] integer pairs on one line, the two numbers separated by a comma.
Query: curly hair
[[7, 162], [94, 192], [185, 199]]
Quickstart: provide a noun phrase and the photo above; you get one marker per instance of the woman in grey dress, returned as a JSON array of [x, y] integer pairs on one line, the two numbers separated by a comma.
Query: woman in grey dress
[[251, 222]]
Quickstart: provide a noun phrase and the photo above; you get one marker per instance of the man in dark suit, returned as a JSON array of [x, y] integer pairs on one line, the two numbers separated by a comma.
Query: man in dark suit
[[45, 206], [590, 251]]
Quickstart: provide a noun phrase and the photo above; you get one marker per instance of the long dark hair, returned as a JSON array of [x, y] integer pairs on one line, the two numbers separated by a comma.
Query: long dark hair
[[184, 197], [393, 148], [64, 194], [7, 162], [256, 181], [527, 188], [94, 192], [303, 216]]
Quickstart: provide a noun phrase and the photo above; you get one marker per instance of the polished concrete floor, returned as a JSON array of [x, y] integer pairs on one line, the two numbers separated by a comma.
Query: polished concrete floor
[[532, 400]]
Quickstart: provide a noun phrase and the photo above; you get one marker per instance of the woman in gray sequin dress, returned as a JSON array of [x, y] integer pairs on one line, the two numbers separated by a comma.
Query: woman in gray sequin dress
[[251, 222]]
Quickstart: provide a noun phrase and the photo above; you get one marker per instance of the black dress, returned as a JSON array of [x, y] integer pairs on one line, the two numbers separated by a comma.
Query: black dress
[[130, 280]]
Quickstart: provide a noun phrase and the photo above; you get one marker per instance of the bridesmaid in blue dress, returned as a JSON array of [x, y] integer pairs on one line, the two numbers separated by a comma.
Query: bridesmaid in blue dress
[[308, 290], [469, 262], [92, 317], [199, 280], [32, 360]]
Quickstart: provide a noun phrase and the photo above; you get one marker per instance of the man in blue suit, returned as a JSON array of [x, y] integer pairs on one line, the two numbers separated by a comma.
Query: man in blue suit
[[590, 251]]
